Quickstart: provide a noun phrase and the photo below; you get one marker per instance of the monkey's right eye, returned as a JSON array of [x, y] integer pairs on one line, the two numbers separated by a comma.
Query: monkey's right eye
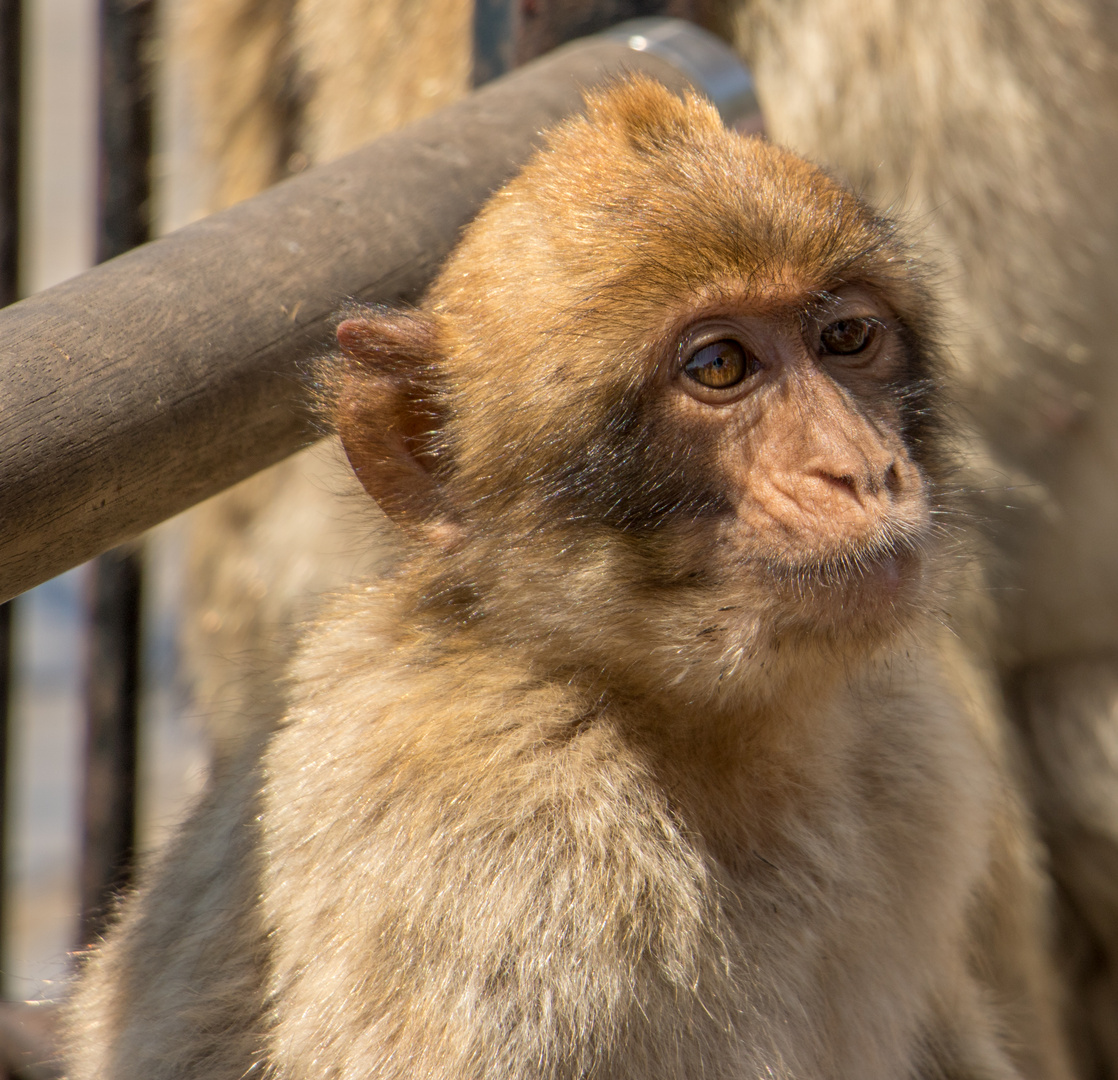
[[720, 364], [848, 336]]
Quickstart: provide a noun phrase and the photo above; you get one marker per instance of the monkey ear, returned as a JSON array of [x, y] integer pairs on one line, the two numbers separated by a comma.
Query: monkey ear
[[386, 414]]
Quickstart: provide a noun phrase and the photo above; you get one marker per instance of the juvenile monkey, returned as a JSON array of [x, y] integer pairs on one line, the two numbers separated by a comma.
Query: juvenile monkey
[[993, 123], [651, 757]]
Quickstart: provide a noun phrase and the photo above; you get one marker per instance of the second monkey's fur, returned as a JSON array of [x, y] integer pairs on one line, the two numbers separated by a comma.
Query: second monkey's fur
[[650, 759]]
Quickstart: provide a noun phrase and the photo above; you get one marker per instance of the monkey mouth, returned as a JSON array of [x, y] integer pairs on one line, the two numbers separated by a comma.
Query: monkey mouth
[[882, 565], [873, 582]]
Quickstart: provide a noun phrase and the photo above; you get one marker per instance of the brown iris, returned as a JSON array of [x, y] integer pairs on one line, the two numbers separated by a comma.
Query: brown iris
[[720, 364], [847, 336]]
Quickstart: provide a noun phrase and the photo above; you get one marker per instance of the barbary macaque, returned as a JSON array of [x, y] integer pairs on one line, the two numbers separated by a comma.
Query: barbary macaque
[[651, 756], [992, 123]]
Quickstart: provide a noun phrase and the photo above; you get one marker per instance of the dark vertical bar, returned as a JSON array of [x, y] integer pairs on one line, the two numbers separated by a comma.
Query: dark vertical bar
[[113, 671], [124, 195], [11, 98], [493, 38], [5, 706], [109, 805], [11, 29]]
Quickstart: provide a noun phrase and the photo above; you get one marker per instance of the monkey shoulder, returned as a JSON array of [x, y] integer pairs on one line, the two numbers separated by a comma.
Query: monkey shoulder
[[508, 858]]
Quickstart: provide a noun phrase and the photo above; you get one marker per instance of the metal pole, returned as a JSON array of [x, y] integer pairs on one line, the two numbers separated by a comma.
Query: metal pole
[[11, 30], [124, 166], [508, 33], [111, 700], [11, 99]]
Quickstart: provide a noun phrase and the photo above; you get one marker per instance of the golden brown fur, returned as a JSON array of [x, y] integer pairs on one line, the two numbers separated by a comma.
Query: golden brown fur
[[651, 757], [989, 122], [997, 132]]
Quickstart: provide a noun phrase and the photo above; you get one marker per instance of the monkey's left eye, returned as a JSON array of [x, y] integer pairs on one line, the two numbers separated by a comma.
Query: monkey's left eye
[[720, 364], [848, 336]]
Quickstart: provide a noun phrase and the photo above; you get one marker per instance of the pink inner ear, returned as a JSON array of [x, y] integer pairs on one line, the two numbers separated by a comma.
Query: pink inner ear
[[374, 418], [394, 339], [383, 410], [357, 337]]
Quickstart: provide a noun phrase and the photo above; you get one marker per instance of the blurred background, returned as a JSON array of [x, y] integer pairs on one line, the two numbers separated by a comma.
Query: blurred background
[[47, 736]]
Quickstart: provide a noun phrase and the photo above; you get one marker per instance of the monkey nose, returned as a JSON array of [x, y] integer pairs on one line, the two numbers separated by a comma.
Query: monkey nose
[[869, 482]]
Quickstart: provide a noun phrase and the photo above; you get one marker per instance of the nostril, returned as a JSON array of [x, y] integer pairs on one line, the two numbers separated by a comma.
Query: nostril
[[844, 480], [892, 479]]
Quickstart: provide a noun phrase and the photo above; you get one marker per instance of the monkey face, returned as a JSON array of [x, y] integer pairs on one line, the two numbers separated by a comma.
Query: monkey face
[[672, 381], [799, 410]]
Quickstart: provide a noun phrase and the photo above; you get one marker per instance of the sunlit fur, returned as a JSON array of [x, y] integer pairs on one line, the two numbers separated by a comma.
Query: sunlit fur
[[602, 782], [583, 790]]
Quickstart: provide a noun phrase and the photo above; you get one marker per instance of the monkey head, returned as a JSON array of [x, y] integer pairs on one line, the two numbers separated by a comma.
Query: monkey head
[[667, 407]]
